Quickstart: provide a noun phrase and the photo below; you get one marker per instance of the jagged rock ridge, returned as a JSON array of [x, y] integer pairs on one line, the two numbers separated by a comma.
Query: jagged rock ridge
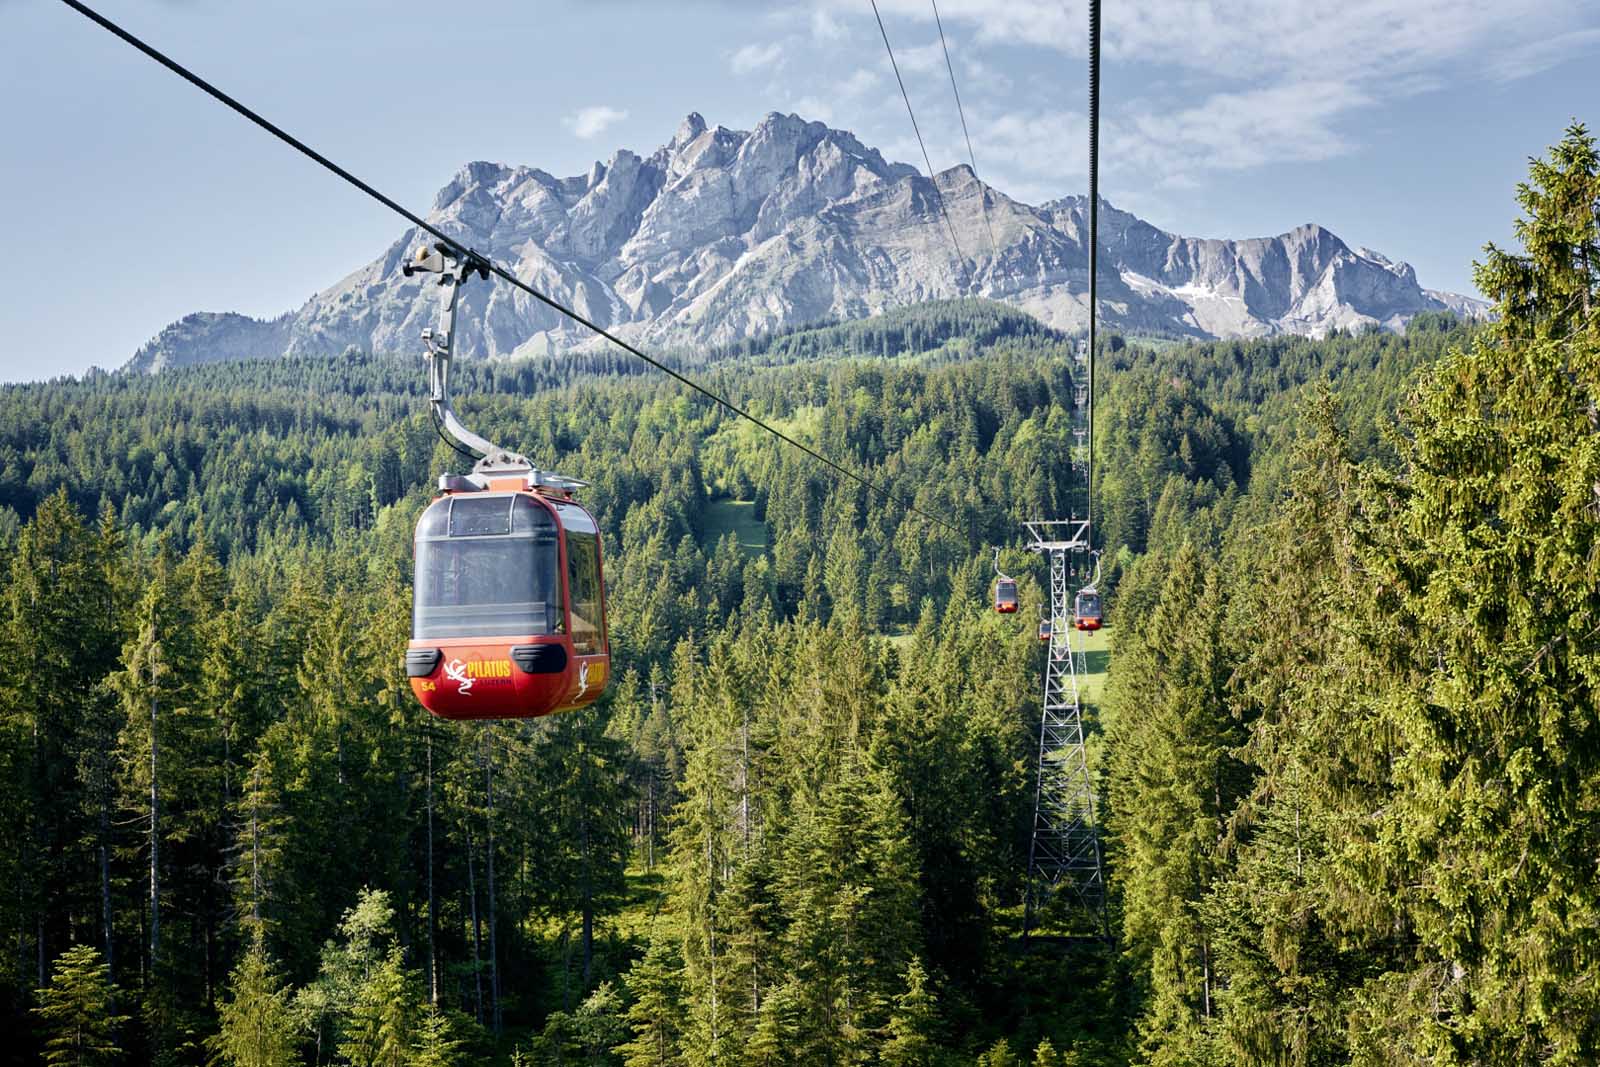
[[721, 234]]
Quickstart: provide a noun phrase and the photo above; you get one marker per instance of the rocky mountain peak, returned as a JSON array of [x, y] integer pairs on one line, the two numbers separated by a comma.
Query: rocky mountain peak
[[719, 234], [691, 127]]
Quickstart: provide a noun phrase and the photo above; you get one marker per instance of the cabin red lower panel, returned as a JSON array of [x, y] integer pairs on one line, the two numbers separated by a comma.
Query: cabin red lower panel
[[504, 678]]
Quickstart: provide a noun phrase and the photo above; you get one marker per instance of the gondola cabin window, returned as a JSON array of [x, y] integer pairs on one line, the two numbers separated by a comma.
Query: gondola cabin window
[[583, 583], [487, 565]]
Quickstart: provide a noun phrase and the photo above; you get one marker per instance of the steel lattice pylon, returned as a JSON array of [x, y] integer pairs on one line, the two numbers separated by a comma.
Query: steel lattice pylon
[[1064, 852]]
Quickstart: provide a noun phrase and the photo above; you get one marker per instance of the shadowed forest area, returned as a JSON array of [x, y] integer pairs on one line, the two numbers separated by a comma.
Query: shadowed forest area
[[1347, 749]]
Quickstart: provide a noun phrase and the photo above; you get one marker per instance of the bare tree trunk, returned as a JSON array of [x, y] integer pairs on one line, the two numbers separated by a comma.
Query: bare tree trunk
[[155, 832], [103, 847], [494, 960], [477, 929], [433, 960], [711, 920], [650, 827], [38, 902], [255, 845], [744, 779], [586, 889]]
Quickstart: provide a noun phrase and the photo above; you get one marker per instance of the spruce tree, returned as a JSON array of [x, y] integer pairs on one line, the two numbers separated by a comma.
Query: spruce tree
[[1482, 552], [76, 1009], [256, 1024], [912, 1039], [655, 1013], [1174, 781], [437, 1043]]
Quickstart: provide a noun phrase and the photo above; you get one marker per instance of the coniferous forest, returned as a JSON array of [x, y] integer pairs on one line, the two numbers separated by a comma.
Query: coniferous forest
[[1347, 756]]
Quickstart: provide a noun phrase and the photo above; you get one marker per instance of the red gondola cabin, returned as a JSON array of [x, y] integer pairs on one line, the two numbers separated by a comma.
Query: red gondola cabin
[[1086, 607], [1005, 596], [1044, 630], [508, 614]]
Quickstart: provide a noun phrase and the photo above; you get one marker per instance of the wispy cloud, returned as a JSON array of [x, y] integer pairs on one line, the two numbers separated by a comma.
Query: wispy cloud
[[754, 57], [1242, 83], [1533, 57], [591, 122], [858, 83], [1237, 130], [919, 59], [824, 27]]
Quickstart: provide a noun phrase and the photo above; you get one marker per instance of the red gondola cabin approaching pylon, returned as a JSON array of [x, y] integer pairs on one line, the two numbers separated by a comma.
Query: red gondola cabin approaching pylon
[[1005, 596], [1086, 609], [1044, 631], [508, 613]]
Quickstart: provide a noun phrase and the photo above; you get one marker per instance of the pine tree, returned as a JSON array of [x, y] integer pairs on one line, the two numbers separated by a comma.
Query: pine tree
[[999, 1054], [76, 1008], [1045, 1055], [437, 1043], [1552, 287], [1481, 552], [656, 1012], [256, 1025], [380, 1028], [913, 1026], [1174, 781]]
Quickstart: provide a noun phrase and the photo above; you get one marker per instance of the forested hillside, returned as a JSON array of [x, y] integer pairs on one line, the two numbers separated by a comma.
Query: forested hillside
[[1347, 755]]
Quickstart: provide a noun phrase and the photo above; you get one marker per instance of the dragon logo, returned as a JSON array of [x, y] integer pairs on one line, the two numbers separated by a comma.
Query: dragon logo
[[583, 680], [457, 672]]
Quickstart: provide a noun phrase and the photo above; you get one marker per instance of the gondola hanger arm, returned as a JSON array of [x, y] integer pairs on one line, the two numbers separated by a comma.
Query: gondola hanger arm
[[454, 267]]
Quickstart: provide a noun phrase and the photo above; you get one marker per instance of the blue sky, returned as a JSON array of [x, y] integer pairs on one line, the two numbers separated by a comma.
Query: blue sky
[[135, 200]]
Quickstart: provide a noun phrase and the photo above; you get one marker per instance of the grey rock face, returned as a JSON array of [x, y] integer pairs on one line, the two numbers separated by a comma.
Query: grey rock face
[[720, 234]]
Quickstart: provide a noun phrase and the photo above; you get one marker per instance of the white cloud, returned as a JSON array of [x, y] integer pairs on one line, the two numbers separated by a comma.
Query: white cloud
[[1244, 38], [592, 121], [1198, 86], [920, 59], [824, 27], [857, 84], [814, 109], [1535, 56], [1237, 130], [754, 57]]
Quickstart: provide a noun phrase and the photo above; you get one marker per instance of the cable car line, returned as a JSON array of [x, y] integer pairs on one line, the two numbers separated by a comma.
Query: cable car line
[[983, 192], [467, 254], [1094, 240], [938, 197]]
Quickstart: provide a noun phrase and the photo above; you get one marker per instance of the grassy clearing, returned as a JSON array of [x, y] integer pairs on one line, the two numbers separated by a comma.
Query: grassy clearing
[[738, 517], [1097, 658]]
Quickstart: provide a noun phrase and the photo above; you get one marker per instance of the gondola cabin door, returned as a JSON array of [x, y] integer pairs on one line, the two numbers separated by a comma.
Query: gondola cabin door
[[508, 609]]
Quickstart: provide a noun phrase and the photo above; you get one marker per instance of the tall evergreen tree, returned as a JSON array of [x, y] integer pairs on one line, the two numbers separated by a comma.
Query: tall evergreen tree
[[256, 1025], [76, 1008]]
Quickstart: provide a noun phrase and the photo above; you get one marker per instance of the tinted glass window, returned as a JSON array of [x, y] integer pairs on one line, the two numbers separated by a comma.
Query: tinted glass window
[[488, 585], [1088, 604], [435, 521], [583, 585], [480, 516]]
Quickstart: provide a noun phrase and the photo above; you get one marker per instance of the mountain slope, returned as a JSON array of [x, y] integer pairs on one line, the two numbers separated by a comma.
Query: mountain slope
[[721, 234]]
